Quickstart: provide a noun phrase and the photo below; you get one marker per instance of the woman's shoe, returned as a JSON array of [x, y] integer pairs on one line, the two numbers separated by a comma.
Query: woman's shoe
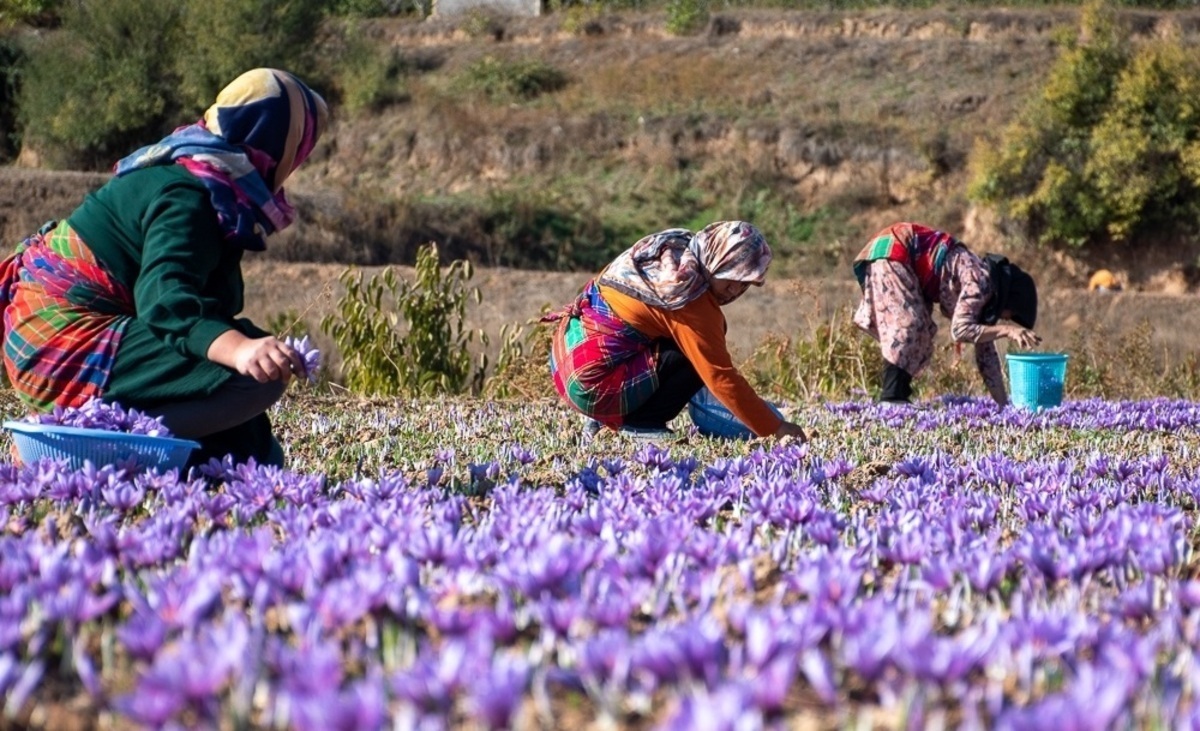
[[646, 433], [591, 428]]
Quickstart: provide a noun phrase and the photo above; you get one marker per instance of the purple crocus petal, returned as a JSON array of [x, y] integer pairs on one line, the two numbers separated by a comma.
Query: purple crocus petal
[[819, 673], [362, 706], [494, 698], [1189, 594], [729, 708], [308, 353], [23, 687], [773, 683], [142, 635], [85, 668], [151, 705]]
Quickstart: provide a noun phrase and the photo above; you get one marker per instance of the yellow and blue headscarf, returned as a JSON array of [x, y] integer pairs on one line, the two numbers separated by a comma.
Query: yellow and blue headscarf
[[261, 128]]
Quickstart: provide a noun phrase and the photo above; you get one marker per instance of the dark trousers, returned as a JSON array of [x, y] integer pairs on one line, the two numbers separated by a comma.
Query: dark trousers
[[232, 420], [678, 382]]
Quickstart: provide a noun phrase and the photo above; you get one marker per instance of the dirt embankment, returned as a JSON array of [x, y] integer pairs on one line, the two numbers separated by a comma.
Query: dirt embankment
[[869, 114], [786, 307]]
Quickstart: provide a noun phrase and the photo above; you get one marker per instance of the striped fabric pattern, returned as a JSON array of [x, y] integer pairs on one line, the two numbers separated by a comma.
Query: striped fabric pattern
[[922, 248], [262, 127], [63, 320], [600, 365]]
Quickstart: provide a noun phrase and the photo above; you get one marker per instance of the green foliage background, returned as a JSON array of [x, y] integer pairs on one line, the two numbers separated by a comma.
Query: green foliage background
[[406, 337], [1110, 146]]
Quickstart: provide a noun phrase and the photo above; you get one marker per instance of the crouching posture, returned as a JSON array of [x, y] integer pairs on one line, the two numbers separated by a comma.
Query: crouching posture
[[648, 332], [134, 297], [905, 270]]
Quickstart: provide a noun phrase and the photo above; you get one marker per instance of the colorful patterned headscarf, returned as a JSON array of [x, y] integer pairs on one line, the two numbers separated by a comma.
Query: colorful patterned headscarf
[[261, 128], [671, 268]]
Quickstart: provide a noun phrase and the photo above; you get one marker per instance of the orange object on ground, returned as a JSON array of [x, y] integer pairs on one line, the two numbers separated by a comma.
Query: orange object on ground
[[1103, 280]]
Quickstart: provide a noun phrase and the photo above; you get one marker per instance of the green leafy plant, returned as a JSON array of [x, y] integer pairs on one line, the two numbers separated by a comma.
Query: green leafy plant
[[1109, 146], [430, 355], [33, 12], [521, 369], [223, 38], [836, 360], [502, 80], [685, 17], [367, 76], [101, 86]]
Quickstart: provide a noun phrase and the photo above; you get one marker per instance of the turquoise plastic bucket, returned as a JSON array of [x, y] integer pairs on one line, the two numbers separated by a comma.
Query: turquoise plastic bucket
[[1036, 379]]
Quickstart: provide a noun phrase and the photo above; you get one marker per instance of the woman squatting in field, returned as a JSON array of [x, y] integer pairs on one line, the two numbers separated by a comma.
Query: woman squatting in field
[[134, 297], [648, 332]]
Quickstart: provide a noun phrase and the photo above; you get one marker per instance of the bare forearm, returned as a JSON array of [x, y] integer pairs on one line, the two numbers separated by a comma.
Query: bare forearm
[[224, 349]]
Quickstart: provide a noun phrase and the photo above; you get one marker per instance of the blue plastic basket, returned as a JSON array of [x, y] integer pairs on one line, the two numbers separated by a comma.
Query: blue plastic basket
[[99, 446], [712, 419], [1036, 379]]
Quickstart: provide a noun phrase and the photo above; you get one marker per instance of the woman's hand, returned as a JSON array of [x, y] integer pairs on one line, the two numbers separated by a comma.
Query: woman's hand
[[267, 359], [1024, 338], [263, 359], [788, 429]]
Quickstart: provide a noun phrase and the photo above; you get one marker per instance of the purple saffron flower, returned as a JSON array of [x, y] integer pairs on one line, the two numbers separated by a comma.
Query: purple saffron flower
[[308, 353], [494, 697]]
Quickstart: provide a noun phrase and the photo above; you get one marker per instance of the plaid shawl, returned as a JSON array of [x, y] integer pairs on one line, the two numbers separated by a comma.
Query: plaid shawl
[[600, 365], [920, 247], [63, 319]]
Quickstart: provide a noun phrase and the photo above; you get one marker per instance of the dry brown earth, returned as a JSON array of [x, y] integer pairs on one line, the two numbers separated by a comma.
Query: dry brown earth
[[789, 307], [874, 109]]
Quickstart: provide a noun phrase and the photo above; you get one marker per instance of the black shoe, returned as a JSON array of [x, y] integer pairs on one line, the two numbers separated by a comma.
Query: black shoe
[[897, 385]]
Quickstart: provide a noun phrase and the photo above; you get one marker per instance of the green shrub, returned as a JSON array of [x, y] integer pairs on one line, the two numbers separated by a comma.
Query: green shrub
[[102, 86], [685, 17], [1107, 149], [503, 80], [1138, 165], [32, 12], [223, 38], [366, 76], [380, 8], [522, 369], [836, 361], [430, 354], [12, 58]]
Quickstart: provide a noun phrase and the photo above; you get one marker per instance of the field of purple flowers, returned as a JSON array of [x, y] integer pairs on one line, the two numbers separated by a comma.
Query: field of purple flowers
[[469, 564]]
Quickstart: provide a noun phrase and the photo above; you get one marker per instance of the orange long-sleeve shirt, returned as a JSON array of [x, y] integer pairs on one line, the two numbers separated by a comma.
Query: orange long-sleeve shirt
[[698, 329]]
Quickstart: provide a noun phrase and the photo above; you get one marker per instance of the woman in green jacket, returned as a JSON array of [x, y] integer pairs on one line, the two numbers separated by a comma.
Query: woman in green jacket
[[134, 297]]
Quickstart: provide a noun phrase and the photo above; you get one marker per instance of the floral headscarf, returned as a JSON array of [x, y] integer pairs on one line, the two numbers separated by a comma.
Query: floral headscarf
[[671, 268], [262, 127]]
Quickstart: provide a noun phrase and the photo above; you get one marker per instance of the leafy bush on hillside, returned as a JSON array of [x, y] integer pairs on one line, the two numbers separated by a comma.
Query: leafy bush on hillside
[[502, 80], [120, 73], [12, 57], [32, 12], [103, 85], [429, 355], [1107, 148], [365, 75], [685, 17], [223, 38]]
